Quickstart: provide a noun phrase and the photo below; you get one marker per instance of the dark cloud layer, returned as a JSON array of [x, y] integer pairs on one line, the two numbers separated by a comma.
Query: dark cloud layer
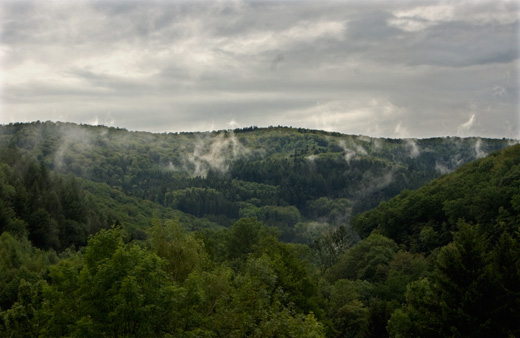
[[379, 68]]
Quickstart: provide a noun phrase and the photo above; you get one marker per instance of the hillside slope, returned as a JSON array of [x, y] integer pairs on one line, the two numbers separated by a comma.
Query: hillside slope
[[60, 210], [441, 261], [486, 192], [282, 176]]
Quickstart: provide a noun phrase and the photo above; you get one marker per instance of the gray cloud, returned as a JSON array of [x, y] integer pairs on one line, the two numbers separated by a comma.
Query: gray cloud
[[392, 69]]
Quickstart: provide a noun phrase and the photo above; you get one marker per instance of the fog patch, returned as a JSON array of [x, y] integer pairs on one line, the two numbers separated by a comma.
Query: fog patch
[[215, 153], [372, 143], [311, 160], [72, 140], [479, 153], [441, 168], [456, 161], [107, 121], [352, 152], [377, 144], [413, 147], [359, 149], [373, 181], [364, 138], [171, 167]]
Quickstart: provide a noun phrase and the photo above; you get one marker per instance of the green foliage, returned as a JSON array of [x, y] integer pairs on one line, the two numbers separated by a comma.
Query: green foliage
[[203, 202], [468, 296], [119, 290], [348, 308], [292, 276], [367, 260], [19, 263], [269, 300], [418, 318], [333, 211], [221, 176], [405, 268], [443, 260], [330, 245], [125, 289], [22, 272], [482, 192], [182, 252], [23, 318], [50, 209], [58, 211], [242, 238]]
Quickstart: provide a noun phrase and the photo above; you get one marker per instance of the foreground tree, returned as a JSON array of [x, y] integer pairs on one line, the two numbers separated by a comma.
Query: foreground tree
[[116, 290], [469, 294]]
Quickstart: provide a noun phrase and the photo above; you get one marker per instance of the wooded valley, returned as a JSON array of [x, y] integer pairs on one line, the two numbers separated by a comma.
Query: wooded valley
[[256, 232]]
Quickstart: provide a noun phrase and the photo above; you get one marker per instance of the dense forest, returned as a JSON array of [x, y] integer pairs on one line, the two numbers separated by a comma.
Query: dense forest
[[300, 181], [256, 232]]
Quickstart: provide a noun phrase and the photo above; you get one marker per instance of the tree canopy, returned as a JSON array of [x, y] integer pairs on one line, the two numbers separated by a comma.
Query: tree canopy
[[110, 233]]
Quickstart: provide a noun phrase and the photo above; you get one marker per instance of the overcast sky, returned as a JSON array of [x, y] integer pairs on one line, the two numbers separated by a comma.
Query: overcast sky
[[376, 68]]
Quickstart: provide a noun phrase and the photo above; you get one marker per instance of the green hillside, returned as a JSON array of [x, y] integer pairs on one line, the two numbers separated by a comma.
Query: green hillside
[[486, 192], [443, 260], [295, 179], [119, 233], [60, 210]]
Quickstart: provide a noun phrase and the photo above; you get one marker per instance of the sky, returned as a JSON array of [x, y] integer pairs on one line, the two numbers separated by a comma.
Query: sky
[[378, 68]]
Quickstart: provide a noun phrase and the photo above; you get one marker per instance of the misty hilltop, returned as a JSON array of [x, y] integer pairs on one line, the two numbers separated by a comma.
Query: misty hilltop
[[274, 174]]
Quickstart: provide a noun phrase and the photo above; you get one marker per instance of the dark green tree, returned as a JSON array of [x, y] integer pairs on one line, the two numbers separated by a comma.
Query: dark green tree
[[116, 290]]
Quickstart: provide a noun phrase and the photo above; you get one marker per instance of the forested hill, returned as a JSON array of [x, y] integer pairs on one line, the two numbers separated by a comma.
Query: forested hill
[[440, 261], [301, 181], [94, 238], [484, 192]]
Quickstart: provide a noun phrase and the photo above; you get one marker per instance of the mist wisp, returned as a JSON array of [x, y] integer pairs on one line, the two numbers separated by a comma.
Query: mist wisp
[[349, 153], [479, 153], [72, 139], [215, 153], [413, 147]]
